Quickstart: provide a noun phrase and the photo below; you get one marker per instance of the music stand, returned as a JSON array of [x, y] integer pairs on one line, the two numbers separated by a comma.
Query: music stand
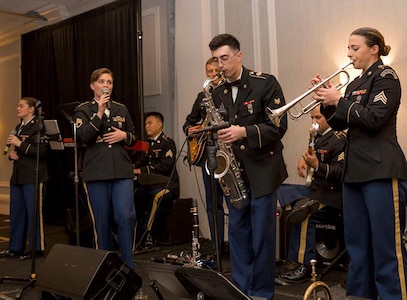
[[209, 284], [164, 275]]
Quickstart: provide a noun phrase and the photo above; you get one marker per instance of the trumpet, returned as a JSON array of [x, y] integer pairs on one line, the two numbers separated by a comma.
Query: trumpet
[[317, 290], [276, 114]]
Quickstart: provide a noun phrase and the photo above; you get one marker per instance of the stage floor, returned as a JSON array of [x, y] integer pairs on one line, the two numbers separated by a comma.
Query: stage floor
[[56, 235]]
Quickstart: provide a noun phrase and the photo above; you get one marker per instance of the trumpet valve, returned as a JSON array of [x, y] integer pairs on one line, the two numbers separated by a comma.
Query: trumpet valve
[[314, 269]]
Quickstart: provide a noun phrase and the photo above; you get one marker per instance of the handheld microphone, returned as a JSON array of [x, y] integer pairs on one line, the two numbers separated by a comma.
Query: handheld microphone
[[105, 91], [7, 147]]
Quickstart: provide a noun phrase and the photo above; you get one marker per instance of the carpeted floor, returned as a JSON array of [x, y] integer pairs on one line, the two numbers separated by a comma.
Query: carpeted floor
[[156, 274]]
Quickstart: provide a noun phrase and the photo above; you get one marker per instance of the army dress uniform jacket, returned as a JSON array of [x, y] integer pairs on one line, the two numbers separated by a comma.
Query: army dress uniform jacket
[[24, 169], [160, 159], [260, 153], [326, 184], [369, 109], [197, 115], [103, 161]]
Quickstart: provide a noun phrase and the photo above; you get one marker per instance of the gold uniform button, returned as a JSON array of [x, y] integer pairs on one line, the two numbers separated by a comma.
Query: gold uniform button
[[110, 146], [242, 147], [271, 153]]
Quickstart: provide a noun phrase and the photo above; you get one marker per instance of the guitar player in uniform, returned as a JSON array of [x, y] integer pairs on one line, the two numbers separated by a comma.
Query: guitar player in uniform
[[197, 155], [322, 165]]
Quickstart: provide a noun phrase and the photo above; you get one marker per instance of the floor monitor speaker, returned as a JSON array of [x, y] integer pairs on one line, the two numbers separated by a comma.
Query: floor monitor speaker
[[85, 273]]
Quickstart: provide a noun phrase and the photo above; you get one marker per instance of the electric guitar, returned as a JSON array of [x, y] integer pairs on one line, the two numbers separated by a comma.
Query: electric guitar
[[311, 148], [196, 147], [196, 144]]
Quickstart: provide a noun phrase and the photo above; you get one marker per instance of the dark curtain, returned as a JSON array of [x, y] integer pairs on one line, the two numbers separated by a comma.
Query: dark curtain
[[57, 61]]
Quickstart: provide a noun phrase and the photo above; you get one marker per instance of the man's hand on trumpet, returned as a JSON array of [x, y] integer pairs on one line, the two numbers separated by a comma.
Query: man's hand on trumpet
[[328, 94]]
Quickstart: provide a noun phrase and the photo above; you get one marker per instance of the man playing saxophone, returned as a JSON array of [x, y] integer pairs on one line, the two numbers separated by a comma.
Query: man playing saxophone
[[257, 147]]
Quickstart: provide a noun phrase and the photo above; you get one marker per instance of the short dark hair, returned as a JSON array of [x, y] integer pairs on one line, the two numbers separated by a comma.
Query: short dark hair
[[224, 39], [98, 72], [156, 114]]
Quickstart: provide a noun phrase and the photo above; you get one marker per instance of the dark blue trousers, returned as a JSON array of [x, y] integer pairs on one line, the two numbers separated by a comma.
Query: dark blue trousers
[[22, 198], [252, 245], [374, 220], [112, 201], [303, 236]]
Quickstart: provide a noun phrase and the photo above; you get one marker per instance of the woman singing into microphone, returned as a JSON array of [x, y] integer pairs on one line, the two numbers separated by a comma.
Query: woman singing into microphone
[[107, 167], [23, 178]]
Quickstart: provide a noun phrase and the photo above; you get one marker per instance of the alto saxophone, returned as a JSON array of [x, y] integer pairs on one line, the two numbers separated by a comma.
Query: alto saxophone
[[228, 171]]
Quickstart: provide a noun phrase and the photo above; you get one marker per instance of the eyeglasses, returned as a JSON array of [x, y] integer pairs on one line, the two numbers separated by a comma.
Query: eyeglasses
[[224, 59]]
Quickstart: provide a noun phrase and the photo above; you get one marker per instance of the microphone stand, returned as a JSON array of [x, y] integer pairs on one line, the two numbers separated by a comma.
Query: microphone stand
[[76, 173], [76, 184], [212, 165], [33, 277]]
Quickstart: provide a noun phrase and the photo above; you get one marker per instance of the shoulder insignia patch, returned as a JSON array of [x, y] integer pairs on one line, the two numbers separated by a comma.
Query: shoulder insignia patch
[[78, 122], [83, 103], [117, 103], [380, 97], [339, 134], [259, 75], [169, 153], [390, 72]]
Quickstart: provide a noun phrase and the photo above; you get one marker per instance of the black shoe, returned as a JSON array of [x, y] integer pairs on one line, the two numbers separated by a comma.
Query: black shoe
[[149, 243], [9, 253], [303, 272], [29, 255], [302, 209], [286, 267]]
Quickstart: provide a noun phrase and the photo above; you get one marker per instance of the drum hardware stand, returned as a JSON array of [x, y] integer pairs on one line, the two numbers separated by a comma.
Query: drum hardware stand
[[332, 264]]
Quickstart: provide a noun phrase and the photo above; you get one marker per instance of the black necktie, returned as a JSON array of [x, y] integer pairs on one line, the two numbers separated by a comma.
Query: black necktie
[[237, 83]]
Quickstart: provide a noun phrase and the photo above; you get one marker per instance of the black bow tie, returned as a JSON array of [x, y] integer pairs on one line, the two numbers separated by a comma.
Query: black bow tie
[[237, 83]]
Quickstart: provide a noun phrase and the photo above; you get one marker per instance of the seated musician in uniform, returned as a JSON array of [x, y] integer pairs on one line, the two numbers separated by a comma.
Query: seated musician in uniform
[[157, 185], [323, 165]]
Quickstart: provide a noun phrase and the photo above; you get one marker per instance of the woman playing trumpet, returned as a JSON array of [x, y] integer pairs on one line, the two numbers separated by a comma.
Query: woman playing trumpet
[[375, 171]]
